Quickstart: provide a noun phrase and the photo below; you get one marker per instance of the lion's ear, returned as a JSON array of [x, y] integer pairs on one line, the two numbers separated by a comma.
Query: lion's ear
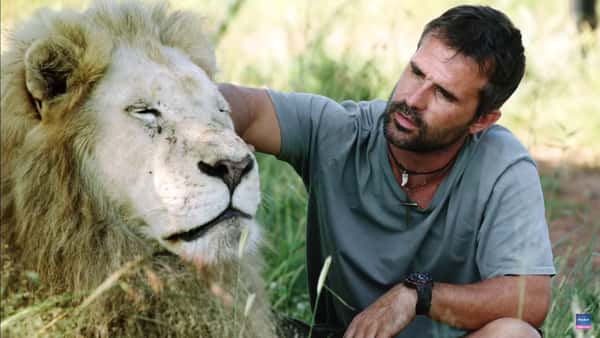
[[54, 67], [48, 65], [59, 69]]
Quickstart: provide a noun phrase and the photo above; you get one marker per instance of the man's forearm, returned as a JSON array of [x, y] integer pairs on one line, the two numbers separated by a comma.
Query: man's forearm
[[471, 306]]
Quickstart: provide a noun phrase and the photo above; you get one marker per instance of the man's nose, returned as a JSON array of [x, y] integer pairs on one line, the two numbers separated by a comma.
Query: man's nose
[[418, 97]]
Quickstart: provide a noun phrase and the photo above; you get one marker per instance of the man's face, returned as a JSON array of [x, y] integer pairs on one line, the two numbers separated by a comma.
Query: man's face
[[435, 99]]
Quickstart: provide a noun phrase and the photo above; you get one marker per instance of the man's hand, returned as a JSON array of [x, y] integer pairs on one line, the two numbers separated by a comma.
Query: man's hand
[[391, 313]]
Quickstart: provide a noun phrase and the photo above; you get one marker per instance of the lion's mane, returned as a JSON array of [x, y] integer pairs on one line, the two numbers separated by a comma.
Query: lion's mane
[[55, 218]]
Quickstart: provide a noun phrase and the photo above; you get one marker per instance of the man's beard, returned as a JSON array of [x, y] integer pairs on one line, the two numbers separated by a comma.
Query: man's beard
[[424, 138]]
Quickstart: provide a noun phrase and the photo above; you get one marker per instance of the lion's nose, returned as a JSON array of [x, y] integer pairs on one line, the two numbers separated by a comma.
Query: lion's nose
[[231, 172]]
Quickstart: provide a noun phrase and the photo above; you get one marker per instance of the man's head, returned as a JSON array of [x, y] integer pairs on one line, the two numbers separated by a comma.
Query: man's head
[[467, 64]]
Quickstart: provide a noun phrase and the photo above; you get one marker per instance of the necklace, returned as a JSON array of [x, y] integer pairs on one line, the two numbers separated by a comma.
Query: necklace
[[424, 184], [406, 172]]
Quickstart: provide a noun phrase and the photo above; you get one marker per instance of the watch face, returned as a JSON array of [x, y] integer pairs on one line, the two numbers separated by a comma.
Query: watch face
[[420, 278]]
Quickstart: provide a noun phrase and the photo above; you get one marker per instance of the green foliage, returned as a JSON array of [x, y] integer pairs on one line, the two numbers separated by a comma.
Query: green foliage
[[575, 290], [283, 212], [337, 78]]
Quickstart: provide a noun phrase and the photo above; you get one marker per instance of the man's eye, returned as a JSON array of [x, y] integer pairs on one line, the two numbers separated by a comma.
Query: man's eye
[[417, 72], [447, 96]]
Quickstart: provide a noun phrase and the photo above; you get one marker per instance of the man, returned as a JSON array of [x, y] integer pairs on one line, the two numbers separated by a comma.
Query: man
[[432, 214]]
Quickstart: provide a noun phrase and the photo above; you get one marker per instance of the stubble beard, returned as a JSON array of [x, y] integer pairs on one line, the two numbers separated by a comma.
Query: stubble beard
[[423, 139]]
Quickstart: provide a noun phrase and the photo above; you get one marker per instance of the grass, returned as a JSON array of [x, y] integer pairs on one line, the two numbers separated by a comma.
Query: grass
[[575, 290], [356, 50], [283, 208]]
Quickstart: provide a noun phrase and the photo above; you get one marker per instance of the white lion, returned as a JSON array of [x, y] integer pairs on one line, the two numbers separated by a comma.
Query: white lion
[[116, 144]]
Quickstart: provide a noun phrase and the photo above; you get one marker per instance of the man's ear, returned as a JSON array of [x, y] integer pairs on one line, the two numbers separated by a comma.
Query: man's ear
[[485, 121], [49, 63]]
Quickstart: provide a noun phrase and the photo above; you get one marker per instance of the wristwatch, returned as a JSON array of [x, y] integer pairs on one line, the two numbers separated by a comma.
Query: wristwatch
[[423, 283]]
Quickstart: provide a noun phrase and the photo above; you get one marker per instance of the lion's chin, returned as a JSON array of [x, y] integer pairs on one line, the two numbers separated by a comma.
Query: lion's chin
[[217, 241], [227, 216]]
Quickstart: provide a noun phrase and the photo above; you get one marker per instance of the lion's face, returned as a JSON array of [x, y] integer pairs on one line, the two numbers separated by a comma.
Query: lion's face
[[166, 151]]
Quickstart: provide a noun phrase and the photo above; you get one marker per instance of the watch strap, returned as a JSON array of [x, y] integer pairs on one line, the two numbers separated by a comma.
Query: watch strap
[[423, 299]]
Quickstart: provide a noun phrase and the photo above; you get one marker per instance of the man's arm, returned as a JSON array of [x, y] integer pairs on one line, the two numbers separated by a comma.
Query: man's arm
[[472, 306], [254, 117], [469, 306]]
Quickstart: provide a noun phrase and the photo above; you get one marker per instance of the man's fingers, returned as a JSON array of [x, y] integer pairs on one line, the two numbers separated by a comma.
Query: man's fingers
[[370, 331], [351, 329], [363, 327], [384, 332], [357, 328]]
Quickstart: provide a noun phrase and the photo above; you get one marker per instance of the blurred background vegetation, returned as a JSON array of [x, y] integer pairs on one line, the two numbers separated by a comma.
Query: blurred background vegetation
[[356, 49]]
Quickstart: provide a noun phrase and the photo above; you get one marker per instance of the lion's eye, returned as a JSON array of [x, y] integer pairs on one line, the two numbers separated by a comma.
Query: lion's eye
[[146, 114], [149, 111]]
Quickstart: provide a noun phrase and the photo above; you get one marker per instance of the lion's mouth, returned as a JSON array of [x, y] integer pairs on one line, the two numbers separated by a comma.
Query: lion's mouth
[[199, 231]]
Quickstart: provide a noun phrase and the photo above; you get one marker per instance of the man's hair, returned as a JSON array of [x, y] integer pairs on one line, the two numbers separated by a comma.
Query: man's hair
[[489, 37]]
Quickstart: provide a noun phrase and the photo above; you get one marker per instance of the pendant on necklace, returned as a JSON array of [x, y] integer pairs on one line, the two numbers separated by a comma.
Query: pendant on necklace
[[404, 178]]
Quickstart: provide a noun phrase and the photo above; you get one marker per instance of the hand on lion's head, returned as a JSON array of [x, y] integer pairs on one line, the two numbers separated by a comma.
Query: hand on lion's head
[[134, 114]]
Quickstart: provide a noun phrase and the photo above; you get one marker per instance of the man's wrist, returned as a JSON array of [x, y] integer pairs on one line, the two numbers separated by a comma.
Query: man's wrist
[[406, 300], [413, 299]]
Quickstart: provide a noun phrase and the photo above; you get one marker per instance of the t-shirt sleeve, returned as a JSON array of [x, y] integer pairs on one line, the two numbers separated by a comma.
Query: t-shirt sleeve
[[308, 123], [513, 238]]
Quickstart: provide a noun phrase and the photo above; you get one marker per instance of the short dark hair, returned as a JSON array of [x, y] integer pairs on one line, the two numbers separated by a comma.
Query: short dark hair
[[490, 38]]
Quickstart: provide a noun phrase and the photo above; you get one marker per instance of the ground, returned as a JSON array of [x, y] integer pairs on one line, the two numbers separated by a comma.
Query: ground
[[572, 193]]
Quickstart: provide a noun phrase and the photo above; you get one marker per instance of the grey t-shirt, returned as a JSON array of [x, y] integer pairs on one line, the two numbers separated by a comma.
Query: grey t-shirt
[[486, 219]]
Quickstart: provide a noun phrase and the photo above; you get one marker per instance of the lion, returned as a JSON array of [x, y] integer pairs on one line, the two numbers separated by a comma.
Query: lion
[[124, 185]]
